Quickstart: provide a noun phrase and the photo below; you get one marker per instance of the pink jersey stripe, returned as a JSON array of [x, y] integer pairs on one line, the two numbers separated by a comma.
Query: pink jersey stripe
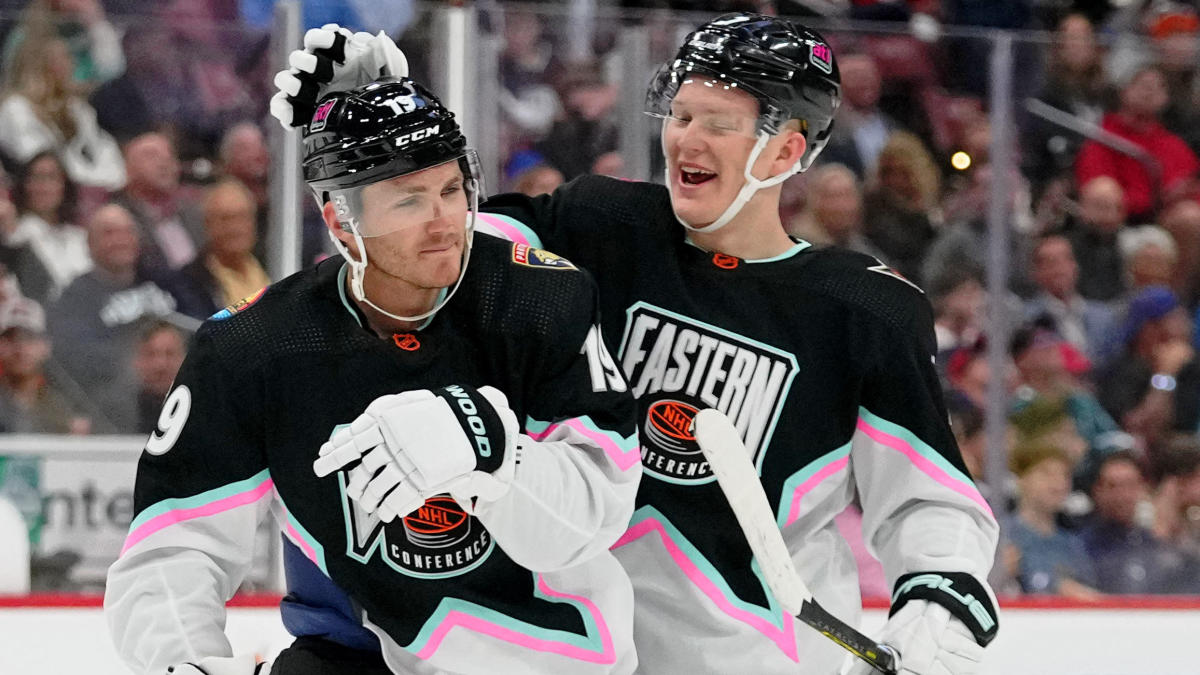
[[927, 467], [456, 618], [813, 481], [624, 459], [785, 638], [180, 515], [510, 232]]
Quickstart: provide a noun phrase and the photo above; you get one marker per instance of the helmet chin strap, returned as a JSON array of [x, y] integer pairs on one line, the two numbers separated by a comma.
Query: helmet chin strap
[[749, 187], [358, 268]]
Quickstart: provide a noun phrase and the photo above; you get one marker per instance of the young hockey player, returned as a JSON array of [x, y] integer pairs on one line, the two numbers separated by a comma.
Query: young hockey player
[[515, 430], [822, 358]]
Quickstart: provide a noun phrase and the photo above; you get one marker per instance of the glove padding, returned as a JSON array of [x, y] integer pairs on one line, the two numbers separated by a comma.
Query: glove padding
[[408, 447], [333, 59], [930, 642], [222, 665]]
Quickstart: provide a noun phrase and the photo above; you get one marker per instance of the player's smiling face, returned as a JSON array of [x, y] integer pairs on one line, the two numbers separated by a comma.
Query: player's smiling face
[[706, 140], [415, 226]]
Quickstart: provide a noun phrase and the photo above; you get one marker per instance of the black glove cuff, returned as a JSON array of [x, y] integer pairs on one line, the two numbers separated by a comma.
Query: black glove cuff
[[959, 592], [480, 422]]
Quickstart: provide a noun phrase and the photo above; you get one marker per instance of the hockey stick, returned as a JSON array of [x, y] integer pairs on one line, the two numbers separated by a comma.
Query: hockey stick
[[729, 461]]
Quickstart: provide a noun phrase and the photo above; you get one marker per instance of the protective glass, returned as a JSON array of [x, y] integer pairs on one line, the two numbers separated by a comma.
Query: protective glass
[[660, 103], [399, 205]]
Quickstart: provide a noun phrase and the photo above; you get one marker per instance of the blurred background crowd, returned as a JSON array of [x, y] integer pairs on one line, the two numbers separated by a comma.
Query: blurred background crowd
[[134, 200]]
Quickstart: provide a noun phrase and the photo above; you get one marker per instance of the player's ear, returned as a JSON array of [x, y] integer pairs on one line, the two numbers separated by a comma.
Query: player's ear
[[329, 215], [790, 150]]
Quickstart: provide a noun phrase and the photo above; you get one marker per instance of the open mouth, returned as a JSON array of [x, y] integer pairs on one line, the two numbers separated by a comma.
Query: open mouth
[[690, 175]]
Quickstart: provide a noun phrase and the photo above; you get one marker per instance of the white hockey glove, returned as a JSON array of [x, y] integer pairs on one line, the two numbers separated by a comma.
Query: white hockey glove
[[408, 447], [333, 59], [940, 622], [222, 665]]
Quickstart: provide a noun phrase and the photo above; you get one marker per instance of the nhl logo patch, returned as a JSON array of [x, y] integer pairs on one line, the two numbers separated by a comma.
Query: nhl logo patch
[[526, 255]]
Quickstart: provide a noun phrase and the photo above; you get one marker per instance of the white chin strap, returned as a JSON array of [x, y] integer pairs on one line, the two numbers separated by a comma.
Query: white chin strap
[[358, 268], [751, 186]]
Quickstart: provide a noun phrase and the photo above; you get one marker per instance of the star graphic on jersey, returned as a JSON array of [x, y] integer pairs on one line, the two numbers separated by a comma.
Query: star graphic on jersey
[[889, 272]]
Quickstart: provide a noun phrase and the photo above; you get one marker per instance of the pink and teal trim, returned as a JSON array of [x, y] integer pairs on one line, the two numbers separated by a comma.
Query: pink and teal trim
[[511, 228], [774, 623], [925, 458], [213, 502], [805, 480], [594, 647], [303, 540], [624, 451]]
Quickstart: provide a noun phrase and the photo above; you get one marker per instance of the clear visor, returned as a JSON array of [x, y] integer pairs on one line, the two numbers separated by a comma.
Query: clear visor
[[663, 102], [446, 192]]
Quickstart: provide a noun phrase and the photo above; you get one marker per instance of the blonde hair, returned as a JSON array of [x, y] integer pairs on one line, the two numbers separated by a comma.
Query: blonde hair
[[30, 74], [907, 149]]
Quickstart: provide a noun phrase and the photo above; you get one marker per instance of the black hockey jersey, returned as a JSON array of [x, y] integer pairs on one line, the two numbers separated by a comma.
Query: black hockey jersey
[[823, 360], [525, 585]]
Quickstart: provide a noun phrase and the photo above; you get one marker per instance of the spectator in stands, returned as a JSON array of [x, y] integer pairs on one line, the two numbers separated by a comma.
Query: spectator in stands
[[1075, 83], [968, 374], [1154, 383], [244, 156], [93, 324], [1137, 119], [1053, 561], [1093, 236], [1177, 499], [40, 110], [527, 101], [1084, 323], [45, 199], [1047, 420], [900, 204], [1182, 220], [1149, 257], [184, 71], [1049, 374], [862, 128], [1175, 38], [964, 239], [834, 212], [161, 347], [227, 270], [169, 227], [1127, 556], [528, 173], [94, 44], [958, 300], [586, 133], [30, 400]]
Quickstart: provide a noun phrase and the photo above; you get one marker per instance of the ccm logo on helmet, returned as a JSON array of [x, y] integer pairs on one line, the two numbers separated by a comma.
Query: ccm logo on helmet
[[404, 139], [482, 445]]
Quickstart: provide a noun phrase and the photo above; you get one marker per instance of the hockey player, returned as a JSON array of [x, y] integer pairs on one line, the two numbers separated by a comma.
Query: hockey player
[[822, 358], [515, 430]]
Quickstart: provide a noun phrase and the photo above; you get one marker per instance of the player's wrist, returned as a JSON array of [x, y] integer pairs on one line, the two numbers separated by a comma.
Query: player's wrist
[[964, 596]]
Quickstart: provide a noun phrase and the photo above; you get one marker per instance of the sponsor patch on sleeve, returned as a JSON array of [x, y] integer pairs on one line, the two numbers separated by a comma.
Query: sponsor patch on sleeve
[[238, 306], [523, 254]]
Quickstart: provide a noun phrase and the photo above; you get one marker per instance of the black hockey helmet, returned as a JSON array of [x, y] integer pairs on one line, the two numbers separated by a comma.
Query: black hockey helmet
[[789, 68], [384, 129]]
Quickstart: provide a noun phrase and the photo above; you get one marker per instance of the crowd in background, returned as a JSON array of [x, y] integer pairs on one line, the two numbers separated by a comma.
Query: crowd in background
[[133, 204]]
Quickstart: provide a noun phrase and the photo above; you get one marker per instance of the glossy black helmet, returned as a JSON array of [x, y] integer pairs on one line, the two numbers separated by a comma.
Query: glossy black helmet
[[789, 68], [384, 129]]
